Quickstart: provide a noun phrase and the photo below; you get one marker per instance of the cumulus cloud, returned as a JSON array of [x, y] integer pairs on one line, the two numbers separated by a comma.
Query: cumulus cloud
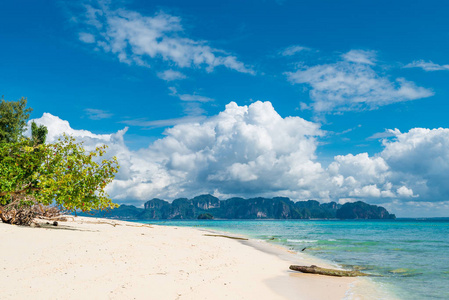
[[405, 192], [138, 39], [57, 126], [427, 66], [360, 176], [243, 150], [420, 158], [252, 150], [353, 84], [412, 166]]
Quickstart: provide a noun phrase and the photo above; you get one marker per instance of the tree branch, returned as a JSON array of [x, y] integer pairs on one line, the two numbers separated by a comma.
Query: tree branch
[[27, 188]]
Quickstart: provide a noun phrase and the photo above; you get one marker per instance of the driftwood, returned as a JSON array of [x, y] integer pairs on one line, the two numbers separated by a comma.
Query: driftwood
[[22, 209], [226, 236], [329, 272], [114, 224], [46, 212], [143, 225], [99, 222], [13, 214]]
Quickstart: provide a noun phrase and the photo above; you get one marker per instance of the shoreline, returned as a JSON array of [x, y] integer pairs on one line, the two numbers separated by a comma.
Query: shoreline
[[110, 259], [359, 288]]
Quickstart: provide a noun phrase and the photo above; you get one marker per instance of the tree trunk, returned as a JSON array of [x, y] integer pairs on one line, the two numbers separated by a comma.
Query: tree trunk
[[16, 216], [329, 272]]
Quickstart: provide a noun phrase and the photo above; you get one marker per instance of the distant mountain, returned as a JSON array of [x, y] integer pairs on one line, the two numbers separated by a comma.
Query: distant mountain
[[208, 207], [362, 210], [122, 212]]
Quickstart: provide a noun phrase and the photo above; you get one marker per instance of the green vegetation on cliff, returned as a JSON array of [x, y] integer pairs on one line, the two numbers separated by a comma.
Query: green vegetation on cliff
[[254, 208], [362, 210]]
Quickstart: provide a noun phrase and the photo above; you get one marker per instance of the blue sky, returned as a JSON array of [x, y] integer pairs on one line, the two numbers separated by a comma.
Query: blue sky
[[352, 69]]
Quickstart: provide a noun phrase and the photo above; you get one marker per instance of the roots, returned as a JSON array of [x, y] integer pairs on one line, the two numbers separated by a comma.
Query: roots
[[47, 212], [22, 210], [16, 215]]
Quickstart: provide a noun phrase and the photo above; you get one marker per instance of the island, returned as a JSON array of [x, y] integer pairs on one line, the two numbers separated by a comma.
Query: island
[[208, 207]]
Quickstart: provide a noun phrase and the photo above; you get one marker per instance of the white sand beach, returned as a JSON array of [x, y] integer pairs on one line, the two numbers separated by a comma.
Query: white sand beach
[[87, 258]]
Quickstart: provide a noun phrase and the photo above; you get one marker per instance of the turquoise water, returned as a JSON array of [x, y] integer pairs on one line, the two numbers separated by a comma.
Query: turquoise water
[[411, 255]]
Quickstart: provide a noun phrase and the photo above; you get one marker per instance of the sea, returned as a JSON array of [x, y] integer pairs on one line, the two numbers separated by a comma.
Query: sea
[[408, 258]]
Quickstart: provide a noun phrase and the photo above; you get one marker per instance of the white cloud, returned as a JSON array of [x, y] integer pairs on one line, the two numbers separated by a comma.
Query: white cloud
[[368, 191], [405, 192], [140, 39], [360, 166], [360, 56], [56, 127], [427, 66], [292, 50], [360, 176], [164, 122], [87, 37], [352, 84], [384, 134], [97, 114], [420, 158], [243, 150], [347, 200], [170, 75], [252, 150], [414, 165], [189, 97]]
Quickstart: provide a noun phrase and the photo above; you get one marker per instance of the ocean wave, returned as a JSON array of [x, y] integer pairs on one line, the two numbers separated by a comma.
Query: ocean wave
[[301, 241]]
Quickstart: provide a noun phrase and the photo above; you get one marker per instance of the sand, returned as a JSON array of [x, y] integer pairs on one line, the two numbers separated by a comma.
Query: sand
[[87, 258]]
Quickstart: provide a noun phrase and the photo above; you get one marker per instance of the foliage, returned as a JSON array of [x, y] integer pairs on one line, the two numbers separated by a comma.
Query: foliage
[[18, 165], [13, 117], [362, 210], [34, 173], [62, 173], [38, 134], [205, 216], [238, 208], [76, 179]]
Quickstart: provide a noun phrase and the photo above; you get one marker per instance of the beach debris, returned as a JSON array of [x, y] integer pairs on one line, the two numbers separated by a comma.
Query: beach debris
[[329, 272], [48, 212], [16, 214], [114, 224], [55, 223], [100, 222], [226, 236], [142, 225]]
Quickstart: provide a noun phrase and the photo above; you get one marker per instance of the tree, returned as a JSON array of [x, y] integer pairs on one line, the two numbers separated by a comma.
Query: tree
[[13, 118], [62, 173], [38, 134], [74, 178]]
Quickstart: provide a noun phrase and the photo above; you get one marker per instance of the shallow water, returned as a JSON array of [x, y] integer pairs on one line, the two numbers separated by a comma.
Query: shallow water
[[411, 255]]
